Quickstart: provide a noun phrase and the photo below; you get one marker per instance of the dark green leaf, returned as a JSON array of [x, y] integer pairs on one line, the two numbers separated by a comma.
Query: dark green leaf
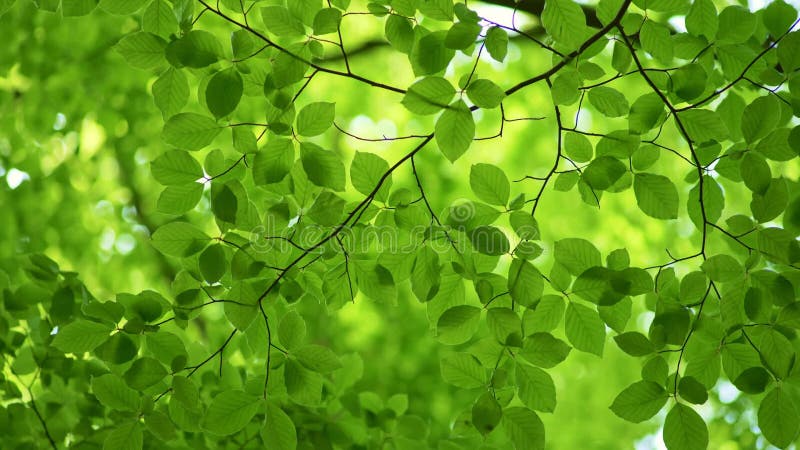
[[640, 401], [223, 92], [229, 412], [684, 429]]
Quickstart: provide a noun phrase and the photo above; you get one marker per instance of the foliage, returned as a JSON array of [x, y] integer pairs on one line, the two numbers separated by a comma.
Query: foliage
[[270, 213]]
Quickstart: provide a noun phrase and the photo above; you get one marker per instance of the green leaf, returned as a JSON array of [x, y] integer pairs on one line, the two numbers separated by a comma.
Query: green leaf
[[458, 324], [243, 140], [399, 33], [772, 203], [684, 429], [497, 43], [213, 264], [546, 316], [437, 9], [576, 255], [186, 392], [524, 428], [656, 196], [279, 21], [366, 172], [127, 436], [323, 167], [634, 343], [327, 21], [274, 161], [584, 329], [789, 52], [122, 7], [147, 306], [525, 283], [292, 330], [426, 274], [702, 19], [655, 370], [646, 112], [112, 392], [544, 350], [176, 167], [535, 388], [621, 57], [327, 209], [462, 35], [428, 95], [159, 19], [142, 50], [610, 102], [179, 199], [693, 287], [145, 372], [565, 21], [429, 55], [692, 390], [196, 49], [160, 425], [776, 145], [462, 370], [656, 40], [778, 17], [620, 144], [504, 325], [603, 172], [224, 91], [454, 130], [778, 418], [81, 336], [689, 81], [704, 125], [760, 117], [118, 349], [755, 172], [190, 131], [315, 118], [775, 350], [566, 88], [317, 358], [789, 316], [722, 268], [713, 199], [229, 412], [490, 184], [224, 203], [166, 346], [304, 386], [640, 401], [485, 94], [736, 24], [578, 147], [170, 90], [278, 432], [179, 239], [486, 413]]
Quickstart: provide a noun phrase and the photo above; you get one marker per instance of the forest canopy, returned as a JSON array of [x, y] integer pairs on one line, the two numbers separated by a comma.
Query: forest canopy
[[399, 224]]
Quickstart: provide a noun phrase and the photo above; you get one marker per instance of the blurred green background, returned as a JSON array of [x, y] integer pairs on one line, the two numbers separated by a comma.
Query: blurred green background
[[78, 128]]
